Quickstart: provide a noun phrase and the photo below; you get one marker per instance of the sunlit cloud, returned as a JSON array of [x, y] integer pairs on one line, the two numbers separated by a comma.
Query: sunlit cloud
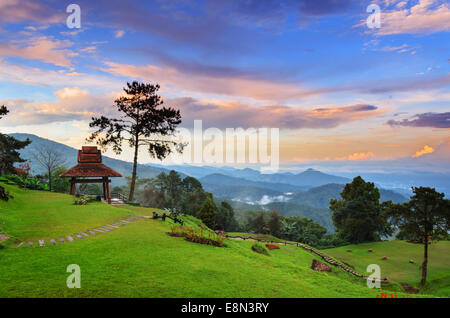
[[426, 150], [40, 48], [423, 17], [357, 156]]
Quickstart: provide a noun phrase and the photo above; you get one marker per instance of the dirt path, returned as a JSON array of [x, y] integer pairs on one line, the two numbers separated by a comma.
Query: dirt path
[[409, 289]]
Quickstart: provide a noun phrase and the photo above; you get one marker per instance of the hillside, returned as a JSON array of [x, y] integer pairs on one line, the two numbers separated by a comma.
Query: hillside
[[70, 155], [397, 266], [140, 260]]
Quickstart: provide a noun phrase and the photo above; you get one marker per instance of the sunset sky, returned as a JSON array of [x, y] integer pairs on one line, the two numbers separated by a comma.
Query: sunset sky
[[340, 93]]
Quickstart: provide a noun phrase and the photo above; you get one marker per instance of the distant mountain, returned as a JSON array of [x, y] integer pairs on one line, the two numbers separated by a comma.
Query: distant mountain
[[70, 155], [320, 196], [218, 178], [306, 179]]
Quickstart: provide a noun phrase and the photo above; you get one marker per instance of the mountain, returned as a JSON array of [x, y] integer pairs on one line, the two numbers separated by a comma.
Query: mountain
[[307, 178], [320, 196], [217, 178], [70, 155]]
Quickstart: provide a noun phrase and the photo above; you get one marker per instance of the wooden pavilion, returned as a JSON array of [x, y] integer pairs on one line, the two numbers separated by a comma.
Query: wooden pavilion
[[90, 166]]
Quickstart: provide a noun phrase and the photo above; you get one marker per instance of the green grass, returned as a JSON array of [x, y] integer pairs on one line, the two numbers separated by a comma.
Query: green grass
[[397, 266], [141, 260], [33, 215]]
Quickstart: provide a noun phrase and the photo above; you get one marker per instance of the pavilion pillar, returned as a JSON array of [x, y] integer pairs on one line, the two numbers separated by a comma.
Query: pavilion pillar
[[104, 189], [72, 186], [108, 193]]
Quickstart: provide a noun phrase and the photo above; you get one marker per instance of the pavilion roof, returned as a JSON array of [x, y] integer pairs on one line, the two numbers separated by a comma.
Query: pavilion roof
[[90, 165]]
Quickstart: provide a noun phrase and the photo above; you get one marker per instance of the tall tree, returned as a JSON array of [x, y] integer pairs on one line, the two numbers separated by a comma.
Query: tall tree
[[225, 217], [208, 213], [359, 217], [426, 216], [142, 122], [8, 148], [258, 223], [274, 223], [49, 159]]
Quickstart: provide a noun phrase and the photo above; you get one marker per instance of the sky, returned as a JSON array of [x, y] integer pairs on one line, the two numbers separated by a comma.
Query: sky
[[342, 94]]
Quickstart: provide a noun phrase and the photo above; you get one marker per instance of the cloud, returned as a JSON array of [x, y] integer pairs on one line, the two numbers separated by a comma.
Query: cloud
[[40, 77], [436, 120], [212, 80], [426, 16], [357, 156], [29, 10], [40, 48], [426, 150], [235, 114], [119, 33], [72, 104]]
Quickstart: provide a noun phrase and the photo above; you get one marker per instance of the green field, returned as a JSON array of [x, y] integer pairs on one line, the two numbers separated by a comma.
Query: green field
[[397, 266], [141, 260]]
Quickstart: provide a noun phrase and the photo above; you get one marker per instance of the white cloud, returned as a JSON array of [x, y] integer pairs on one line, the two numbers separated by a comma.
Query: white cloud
[[427, 16]]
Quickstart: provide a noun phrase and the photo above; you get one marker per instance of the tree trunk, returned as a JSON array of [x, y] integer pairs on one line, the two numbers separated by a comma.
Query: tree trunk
[[49, 180], [425, 262], [133, 175]]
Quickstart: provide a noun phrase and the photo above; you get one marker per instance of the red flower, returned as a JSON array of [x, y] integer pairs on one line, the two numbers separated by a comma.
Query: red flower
[[272, 246]]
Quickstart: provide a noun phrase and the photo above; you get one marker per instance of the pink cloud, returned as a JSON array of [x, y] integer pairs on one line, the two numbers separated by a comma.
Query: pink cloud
[[357, 156], [427, 16], [28, 10], [40, 48], [261, 89]]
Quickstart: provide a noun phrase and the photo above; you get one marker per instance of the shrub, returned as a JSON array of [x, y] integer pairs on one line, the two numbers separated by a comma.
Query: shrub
[[198, 235], [4, 195], [272, 246], [258, 248], [27, 182], [81, 201]]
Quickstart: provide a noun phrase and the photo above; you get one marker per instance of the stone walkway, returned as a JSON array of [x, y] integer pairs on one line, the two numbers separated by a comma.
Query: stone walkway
[[83, 235]]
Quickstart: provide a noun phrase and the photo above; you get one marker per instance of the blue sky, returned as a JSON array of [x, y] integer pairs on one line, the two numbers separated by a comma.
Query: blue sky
[[337, 90]]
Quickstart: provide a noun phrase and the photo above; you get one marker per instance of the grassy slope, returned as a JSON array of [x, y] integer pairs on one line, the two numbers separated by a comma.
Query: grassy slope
[[397, 266], [33, 215], [140, 260]]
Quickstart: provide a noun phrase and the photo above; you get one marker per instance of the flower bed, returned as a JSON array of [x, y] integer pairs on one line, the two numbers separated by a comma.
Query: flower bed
[[272, 246], [198, 235]]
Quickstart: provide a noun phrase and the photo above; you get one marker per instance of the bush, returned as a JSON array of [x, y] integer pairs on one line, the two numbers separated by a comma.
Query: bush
[[81, 201], [198, 235], [27, 182], [4, 195], [258, 248]]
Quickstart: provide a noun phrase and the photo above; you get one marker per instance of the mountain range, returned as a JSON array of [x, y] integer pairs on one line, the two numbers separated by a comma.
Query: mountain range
[[306, 193]]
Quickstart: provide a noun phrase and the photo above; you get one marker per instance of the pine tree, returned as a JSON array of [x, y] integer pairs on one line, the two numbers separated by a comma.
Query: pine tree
[[208, 213]]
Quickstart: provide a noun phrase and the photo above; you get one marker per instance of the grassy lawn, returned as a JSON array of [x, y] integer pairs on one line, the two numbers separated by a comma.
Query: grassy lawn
[[397, 266], [33, 215], [141, 260]]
